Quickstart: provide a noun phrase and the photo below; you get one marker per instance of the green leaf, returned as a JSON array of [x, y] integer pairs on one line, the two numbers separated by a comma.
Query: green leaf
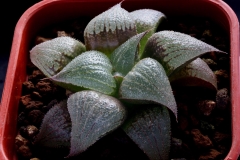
[[196, 73], [93, 115], [150, 129], [109, 29], [90, 70], [148, 82], [147, 19], [56, 127], [175, 50], [51, 56], [124, 57]]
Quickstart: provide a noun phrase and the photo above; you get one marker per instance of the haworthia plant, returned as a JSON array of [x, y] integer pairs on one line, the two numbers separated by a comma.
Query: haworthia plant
[[147, 20], [196, 73], [93, 115], [147, 82], [114, 66], [175, 50], [109, 29], [56, 127], [90, 70], [150, 129], [51, 56], [124, 57]]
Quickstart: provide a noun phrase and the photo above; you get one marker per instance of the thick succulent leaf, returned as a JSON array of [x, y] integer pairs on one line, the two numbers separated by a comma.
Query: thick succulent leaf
[[148, 82], [150, 129], [147, 19], [124, 57], [90, 70], [51, 56], [196, 73], [109, 29], [93, 115], [56, 127], [175, 50]]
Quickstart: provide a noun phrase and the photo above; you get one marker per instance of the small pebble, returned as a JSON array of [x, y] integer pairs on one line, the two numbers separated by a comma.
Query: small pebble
[[213, 154], [28, 86], [36, 95], [40, 39], [24, 100], [207, 33], [45, 87], [37, 74], [20, 140], [205, 107], [63, 34], [210, 63], [34, 105], [34, 159], [29, 131], [24, 151], [222, 99], [201, 141]]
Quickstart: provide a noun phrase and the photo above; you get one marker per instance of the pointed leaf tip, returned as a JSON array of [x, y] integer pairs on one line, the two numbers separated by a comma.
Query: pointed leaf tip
[[102, 32], [51, 56], [148, 82], [175, 50], [90, 70], [124, 57], [147, 19]]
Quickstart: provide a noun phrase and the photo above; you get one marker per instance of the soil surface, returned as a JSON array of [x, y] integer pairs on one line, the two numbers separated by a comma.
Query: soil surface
[[203, 131]]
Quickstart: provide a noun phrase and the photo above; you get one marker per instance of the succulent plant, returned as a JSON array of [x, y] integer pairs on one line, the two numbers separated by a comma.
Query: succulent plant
[[122, 79]]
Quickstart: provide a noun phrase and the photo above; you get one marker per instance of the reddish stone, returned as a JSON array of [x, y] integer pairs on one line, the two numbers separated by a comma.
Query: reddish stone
[[201, 141], [24, 100], [211, 155]]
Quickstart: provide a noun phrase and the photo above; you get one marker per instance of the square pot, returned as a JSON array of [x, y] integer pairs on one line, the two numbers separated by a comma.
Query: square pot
[[51, 11]]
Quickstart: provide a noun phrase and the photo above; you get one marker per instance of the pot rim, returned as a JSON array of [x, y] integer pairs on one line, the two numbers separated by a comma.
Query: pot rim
[[11, 74]]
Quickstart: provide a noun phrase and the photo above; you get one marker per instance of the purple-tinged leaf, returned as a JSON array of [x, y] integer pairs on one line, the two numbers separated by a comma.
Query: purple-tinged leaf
[[56, 127], [150, 129], [196, 73]]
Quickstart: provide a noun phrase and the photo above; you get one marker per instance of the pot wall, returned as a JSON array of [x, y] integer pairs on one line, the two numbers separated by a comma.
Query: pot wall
[[50, 11]]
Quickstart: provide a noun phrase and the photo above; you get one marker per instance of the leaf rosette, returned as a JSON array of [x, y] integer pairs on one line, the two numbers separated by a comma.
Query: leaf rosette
[[121, 71]]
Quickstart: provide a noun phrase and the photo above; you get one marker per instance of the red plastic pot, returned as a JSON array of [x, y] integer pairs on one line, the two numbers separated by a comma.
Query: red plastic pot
[[50, 11]]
